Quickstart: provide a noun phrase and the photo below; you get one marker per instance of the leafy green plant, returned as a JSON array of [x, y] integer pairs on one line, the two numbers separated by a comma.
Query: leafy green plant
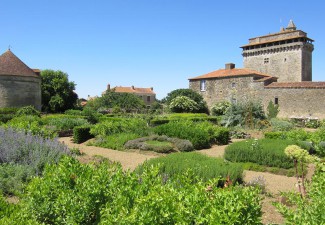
[[31, 124], [82, 134], [245, 114], [64, 122], [28, 110], [75, 193]]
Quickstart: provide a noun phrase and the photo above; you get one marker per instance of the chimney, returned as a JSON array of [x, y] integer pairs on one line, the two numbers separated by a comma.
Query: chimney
[[151, 88], [133, 87], [229, 66], [108, 87]]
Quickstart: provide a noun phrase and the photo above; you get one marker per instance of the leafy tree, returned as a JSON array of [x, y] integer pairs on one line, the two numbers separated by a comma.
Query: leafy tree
[[127, 102], [183, 104], [57, 91], [272, 110], [196, 97]]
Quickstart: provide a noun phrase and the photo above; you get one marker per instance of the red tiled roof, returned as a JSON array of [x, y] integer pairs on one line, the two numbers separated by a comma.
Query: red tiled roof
[[12, 65], [134, 90], [222, 73], [303, 84]]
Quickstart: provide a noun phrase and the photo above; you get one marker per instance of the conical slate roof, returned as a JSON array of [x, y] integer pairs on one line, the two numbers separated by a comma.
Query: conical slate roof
[[12, 65]]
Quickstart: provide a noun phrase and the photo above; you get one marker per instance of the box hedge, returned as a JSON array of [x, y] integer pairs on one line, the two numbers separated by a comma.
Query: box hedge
[[82, 134]]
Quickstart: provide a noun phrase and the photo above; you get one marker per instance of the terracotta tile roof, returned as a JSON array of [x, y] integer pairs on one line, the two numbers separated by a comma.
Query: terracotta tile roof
[[134, 90], [223, 73], [303, 84], [12, 65]]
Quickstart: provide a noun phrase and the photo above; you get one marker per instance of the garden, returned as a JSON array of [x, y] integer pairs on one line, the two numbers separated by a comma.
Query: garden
[[180, 185]]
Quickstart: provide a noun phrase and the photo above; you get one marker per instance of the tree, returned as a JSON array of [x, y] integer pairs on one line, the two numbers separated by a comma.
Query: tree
[[196, 97], [57, 91], [272, 110], [127, 102]]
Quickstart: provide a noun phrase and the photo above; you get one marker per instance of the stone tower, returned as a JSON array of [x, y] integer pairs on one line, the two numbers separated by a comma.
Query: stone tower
[[19, 85], [286, 54]]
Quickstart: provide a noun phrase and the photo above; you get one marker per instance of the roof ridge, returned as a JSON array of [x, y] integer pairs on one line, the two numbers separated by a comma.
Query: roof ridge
[[10, 64]]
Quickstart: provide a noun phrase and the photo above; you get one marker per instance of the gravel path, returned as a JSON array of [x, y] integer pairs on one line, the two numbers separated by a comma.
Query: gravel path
[[128, 160]]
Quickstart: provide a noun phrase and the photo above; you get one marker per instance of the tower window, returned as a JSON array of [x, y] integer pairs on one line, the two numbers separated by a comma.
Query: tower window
[[202, 85], [266, 60], [233, 84], [148, 98], [276, 100], [285, 59]]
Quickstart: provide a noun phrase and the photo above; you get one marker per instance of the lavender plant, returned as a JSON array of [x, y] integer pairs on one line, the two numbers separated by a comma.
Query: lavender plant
[[25, 149]]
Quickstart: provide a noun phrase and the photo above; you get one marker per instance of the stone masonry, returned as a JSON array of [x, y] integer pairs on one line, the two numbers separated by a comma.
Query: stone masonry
[[277, 68]]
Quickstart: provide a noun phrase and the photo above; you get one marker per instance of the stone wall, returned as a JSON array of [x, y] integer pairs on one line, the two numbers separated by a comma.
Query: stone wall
[[227, 89], [293, 102], [297, 102], [18, 91], [145, 97]]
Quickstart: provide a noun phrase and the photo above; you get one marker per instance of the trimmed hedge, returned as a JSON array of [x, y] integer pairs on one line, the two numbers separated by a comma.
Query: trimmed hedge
[[266, 152], [195, 117], [81, 134]]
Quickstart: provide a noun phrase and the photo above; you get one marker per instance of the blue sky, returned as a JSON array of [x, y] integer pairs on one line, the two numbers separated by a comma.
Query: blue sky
[[148, 43]]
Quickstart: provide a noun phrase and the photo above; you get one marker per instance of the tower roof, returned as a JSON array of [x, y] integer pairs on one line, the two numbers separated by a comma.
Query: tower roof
[[10, 64], [291, 26]]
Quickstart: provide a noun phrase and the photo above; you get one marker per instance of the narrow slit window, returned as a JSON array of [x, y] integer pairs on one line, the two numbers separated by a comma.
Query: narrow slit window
[[202, 85], [276, 100]]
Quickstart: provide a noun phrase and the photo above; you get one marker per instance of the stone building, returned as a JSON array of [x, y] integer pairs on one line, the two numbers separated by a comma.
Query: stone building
[[146, 94], [277, 68], [19, 85]]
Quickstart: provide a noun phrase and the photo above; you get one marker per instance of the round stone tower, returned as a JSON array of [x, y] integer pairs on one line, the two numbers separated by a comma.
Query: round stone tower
[[19, 85]]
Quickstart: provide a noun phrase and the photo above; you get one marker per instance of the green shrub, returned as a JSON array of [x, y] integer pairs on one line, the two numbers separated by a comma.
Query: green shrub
[[31, 124], [220, 108], [275, 135], [7, 114], [81, 134], [64, 122], [120, 125], [174, 144], [202, 166], [281, 125], [266, 152], [75, 193], [13, 177], [201, 134], [28, 111], [114, 141], [312, 123]]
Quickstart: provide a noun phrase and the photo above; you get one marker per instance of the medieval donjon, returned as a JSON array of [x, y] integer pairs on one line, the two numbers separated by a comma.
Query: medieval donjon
[[277, 68], [286, 54]]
